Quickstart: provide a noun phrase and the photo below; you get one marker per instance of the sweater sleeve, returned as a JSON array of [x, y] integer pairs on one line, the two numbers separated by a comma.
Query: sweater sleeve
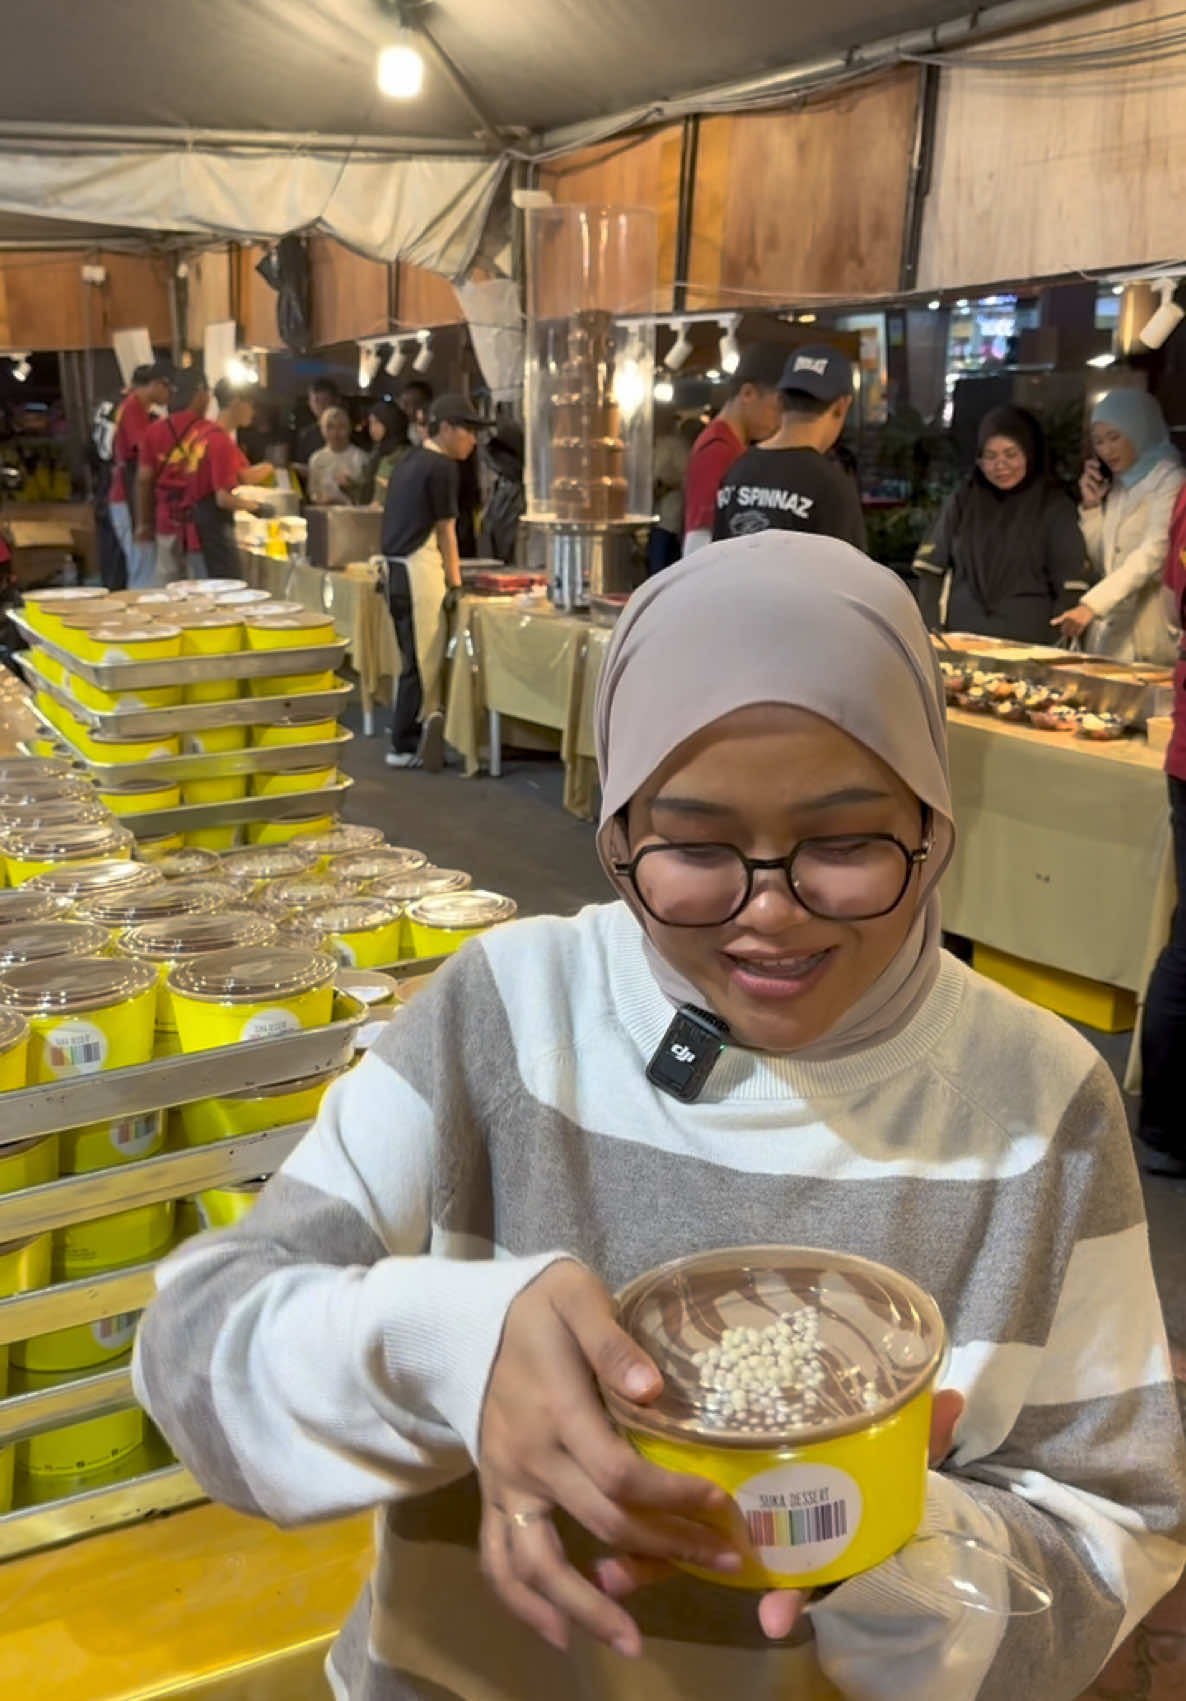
[[1066, 555], [1091, 524], [1144, 563], [1087, 1487], [319, 1357]]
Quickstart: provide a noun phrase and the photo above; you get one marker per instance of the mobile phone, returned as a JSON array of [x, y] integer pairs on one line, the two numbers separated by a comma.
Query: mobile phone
[[1102, 470]]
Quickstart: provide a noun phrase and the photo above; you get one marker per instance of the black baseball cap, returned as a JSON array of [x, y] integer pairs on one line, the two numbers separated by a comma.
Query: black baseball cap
[[187, 383], [151, 373], [818, 371], [760, 364], [457, 410]]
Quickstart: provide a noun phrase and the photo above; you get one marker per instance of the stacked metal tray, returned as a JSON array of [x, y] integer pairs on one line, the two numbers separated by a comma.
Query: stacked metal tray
[[194, 717], [1131, 690], [34, 1111]]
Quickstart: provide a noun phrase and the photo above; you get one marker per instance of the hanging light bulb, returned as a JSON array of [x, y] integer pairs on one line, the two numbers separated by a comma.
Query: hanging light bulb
[[664, 391], [401, 70], [423, 359], [730, 347], [681, 349]]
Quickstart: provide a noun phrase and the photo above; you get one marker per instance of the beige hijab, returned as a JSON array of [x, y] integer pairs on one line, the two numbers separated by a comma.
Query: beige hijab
[[781, 617]]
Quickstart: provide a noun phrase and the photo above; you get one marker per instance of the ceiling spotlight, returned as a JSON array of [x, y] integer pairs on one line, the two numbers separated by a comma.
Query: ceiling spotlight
[[730, 347], [400, 70], [241, 370], [714, 377], [664, 391], [1117, 289], [934, 305], [1102, 360], [397, 360], [807, 318], [1169, 315], [681, 349], [21, 367], [423, 358], [368, 365]]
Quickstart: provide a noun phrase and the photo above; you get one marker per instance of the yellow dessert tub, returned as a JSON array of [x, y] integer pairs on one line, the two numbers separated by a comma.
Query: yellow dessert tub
[[226, 790], [135, 640], [44, 609], [42, 849], [207, 1121], [315, 777], [106, 1145], [158, 846], [24, 1266], [171, 941], [377, 863], [140, 796], [215, 740], [295, 732], [79, 1452], [84, 1014], [253, 992], [213, 691], [250, 867], [342, 840], [83, 1346], [442, 922], [48, 941], [142, 697], [14, 1054], [363, 933], [183, 864], [218, 633], [106, 747], [819, 1501], [288, 828], [30, 1163], [299, 630], [211, 838], [221, 1207], [292, 684], [137, 1236], [73, 882]]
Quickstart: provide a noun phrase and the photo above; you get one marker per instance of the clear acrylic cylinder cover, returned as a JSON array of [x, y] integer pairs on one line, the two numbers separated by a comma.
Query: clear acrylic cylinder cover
[[591, 279]]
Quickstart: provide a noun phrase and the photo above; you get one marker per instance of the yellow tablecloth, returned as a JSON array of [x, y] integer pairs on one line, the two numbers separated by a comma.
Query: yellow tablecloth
[[358, 606]]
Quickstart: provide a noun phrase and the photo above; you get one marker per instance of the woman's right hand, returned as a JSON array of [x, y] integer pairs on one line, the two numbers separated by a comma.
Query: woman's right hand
[[546, 1442], [1093, 486]]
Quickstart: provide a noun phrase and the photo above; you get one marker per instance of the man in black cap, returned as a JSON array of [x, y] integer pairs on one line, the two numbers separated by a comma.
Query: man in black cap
[[419, 540], [750, 415], [788, 483]]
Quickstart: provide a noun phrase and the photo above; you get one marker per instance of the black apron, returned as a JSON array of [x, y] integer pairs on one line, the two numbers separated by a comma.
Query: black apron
[[215, 527]]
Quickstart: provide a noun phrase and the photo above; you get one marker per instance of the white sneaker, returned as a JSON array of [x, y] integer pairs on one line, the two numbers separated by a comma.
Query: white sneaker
[[402, 759], [432, 743]]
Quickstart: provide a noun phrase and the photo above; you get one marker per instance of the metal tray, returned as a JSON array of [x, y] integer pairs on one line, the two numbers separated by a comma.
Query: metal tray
[[191, 670], [1133, 698], [255, 759], [189, 717], [188, 817], [163, 1487]]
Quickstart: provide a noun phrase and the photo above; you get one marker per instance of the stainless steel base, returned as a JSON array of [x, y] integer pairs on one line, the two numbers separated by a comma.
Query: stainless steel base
[[585, 559]]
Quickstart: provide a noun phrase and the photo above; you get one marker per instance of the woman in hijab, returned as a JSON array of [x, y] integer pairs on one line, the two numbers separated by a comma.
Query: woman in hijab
[[1127, 501], [1007, 542], [417, 1313]]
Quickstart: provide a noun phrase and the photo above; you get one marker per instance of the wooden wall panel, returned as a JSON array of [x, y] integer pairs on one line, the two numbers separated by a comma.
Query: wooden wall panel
[[426, 298], [1039, 175], [349, 293], [643, 172], [44, 303], [809, 202], [208, 294], [257, 300]]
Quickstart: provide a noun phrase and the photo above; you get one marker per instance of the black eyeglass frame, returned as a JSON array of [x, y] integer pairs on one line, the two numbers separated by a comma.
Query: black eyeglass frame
[[914, 859]]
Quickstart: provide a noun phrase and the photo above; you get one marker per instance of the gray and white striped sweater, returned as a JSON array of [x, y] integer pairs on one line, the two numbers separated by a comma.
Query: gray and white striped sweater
[[331, 1352]]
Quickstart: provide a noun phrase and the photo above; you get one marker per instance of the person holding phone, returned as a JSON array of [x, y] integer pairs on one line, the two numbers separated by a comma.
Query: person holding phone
[[1127, 495]]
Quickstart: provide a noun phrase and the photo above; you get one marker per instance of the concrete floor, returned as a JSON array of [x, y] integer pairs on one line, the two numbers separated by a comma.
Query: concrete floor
[[514, 836]]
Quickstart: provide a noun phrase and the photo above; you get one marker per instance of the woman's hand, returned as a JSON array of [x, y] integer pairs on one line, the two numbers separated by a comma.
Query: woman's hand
[[781, 1609], [1093, 486], [546, 1442], [1075, 621]]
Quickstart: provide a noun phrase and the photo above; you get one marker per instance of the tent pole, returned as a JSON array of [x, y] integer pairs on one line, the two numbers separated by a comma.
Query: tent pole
[[70, 137]]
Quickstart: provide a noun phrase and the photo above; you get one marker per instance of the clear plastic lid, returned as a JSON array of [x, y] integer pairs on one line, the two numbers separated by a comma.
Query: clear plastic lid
[[85, 877], [462, 909], [384, 860], [842, 1342], [74, 983], [265, 862], [51, 812], [128, 909], [68, 843], [295, 933], [38, 768], [63, 595], [215, 893], [353, 915], [281, 1089], [278, 618], [33, 942], [136, 787], [253, 974], [218, 588], [306, 891], [193, 935], [405, 888], [344, 839], [187, 864], [13, 1029], [21, 904], [134, 632], [15, 791], [242, 599], [204, 618]]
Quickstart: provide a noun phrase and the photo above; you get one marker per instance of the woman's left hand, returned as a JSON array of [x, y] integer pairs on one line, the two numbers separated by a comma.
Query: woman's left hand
[[1075, 621], [781, 1609]]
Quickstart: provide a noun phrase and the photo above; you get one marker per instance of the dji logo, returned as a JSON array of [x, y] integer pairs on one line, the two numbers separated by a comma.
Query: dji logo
[[682, 1054]]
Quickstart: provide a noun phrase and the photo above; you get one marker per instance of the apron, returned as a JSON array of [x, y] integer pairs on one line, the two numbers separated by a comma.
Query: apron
[[215, 527], [426, 581]]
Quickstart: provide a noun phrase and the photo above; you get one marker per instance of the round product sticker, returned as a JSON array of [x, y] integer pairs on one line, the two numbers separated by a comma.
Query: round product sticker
[[135, 1136], [266, 1024], [800, 1518], [343, 953], [115, 1333], [75, 1048]]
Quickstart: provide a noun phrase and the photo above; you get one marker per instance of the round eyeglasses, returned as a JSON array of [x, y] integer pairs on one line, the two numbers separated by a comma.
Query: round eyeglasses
[[838, 878]]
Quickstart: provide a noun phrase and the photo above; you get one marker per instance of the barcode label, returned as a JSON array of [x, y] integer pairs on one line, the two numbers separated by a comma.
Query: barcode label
[[826, 1523], [133, 1135], [75, 1048], [115, 1331]]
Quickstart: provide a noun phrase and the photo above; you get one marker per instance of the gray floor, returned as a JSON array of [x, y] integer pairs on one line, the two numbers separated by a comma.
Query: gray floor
[[513, 835]]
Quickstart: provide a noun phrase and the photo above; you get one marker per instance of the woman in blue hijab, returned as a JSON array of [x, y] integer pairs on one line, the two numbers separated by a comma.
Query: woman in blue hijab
[[1127, 494]]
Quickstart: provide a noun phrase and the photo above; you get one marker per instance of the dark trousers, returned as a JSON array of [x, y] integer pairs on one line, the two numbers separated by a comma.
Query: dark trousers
[[409, 689], [1163, 1031]]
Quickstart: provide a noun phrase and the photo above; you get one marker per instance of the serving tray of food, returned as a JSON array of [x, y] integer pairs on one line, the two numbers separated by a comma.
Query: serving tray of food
[[190, 670]]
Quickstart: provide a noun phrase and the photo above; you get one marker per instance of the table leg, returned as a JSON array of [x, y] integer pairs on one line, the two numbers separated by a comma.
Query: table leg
[[494, 721]]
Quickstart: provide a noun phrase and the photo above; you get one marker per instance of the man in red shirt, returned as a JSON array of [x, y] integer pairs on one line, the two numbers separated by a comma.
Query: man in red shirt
[[217, 466], [167, 461], [150, 388], [752, 412], [1161, 1146]]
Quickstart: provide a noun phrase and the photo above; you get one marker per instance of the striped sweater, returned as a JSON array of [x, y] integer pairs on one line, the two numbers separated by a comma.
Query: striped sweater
[[331, 1352]]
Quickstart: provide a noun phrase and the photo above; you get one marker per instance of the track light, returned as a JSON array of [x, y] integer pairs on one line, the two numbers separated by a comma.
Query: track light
[[680, 351], [397, 360], [21, 367], [730, 347], [368, 365], [1169, 315], [241, 370], [423, 358]]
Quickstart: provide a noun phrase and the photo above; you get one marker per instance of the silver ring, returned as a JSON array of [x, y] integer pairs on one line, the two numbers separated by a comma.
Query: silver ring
[[524, 1520]]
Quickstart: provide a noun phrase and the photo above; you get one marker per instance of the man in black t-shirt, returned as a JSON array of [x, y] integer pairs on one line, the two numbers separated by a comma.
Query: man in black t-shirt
[[787, 483], [419, 539]]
